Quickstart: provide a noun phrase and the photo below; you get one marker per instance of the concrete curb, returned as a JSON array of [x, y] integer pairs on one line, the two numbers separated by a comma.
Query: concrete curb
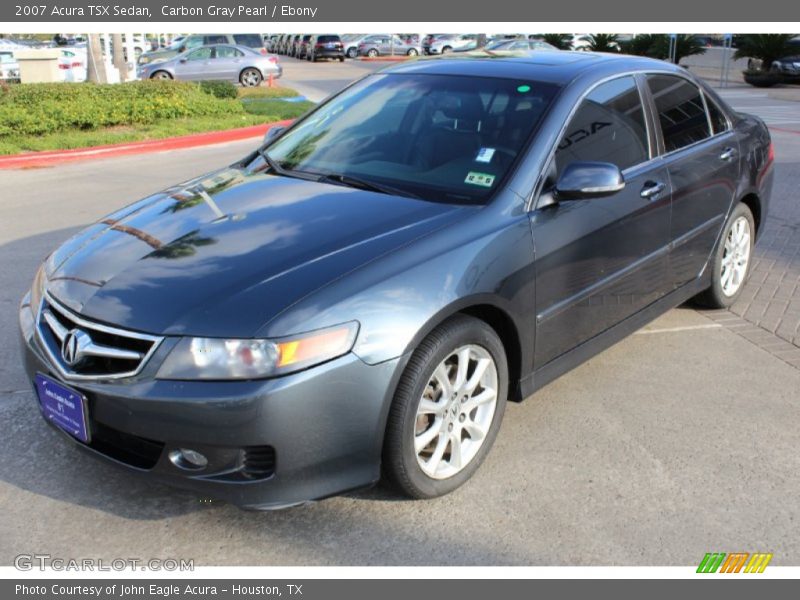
[[30, 160]]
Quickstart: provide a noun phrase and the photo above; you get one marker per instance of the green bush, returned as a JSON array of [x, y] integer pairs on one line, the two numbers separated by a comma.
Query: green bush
[[42, 108], [219, 89]]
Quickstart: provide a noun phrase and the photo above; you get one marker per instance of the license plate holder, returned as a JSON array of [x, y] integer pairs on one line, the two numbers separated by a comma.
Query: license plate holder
[[63, 406]]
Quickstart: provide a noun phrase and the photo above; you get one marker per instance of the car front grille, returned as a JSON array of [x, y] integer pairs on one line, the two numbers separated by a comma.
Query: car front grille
[[83, 350]]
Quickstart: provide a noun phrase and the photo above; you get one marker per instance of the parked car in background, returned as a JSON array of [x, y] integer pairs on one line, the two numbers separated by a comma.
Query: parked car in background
[[72, 64], [359, 297], [302, 46], [9, 67], [386, 45], [516, 45], [254, 41], [351, 42], [325, 46], [294, 44], [238, 64], [789, 66], [452, 43]]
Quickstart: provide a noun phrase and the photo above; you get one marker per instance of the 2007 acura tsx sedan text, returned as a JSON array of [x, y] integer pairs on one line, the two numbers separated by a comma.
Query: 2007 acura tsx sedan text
[[366, 291]]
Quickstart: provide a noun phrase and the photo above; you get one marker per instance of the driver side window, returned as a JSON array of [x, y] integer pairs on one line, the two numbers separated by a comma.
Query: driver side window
[[608, 126]]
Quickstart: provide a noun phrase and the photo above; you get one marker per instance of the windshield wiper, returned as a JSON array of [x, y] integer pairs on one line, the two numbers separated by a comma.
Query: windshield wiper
[[363, 184], [273, 164]]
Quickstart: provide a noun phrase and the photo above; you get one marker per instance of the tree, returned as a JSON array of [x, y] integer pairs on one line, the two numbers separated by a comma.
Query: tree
[[685, 45], [118, 53], [95, 65], [641, 45], [764, 47], [602, 42], [562, 41]]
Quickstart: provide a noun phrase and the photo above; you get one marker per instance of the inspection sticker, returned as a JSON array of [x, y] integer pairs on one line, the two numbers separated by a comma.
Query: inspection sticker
[[485, 155], [481, 179]]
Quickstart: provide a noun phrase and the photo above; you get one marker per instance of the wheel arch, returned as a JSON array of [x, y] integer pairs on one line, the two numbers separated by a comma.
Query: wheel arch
[[753, 202], [488, 309]]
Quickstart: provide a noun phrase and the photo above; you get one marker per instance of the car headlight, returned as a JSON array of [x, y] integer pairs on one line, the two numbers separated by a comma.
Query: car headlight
[[37, 289], [221, 359]]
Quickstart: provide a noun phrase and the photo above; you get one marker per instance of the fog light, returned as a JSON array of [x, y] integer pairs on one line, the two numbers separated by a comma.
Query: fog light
[[189, 460]]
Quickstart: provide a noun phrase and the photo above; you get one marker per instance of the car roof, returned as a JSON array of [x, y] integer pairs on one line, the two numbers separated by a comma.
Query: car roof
[[557, 66]]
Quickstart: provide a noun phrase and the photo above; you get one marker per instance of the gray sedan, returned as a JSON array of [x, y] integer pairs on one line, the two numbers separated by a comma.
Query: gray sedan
[[216, 62]]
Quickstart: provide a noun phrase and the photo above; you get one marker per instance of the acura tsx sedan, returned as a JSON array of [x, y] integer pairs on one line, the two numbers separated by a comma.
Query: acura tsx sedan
[[363, 294]]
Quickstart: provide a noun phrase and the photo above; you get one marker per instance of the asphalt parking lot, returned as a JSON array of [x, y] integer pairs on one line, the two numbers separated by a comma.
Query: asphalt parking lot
[[680, 440]]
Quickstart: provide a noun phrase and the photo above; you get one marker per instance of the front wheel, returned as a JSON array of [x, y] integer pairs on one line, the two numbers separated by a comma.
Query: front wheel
[[372, 53], [412, 52], [731, 263], [447, 408], [163, 75], [250, 78], [352, 53]]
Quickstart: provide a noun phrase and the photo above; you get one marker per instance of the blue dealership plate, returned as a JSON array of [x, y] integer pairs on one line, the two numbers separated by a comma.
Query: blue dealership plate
[[63, 407]]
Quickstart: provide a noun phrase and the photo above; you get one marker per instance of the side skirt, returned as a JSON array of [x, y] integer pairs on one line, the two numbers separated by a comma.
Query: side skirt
[[580, 354]]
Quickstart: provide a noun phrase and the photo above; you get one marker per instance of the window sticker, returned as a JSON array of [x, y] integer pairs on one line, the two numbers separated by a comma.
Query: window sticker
[[485, 155], [481, 179]]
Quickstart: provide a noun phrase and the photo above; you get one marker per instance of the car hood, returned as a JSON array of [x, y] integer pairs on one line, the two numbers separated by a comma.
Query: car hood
[[223, 254]]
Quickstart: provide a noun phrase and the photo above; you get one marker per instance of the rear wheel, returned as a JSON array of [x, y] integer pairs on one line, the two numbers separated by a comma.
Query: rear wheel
[[731, 263], [447, 408], [446, 49], [372, 53], [250, 78], [164, 75], [412, 52]]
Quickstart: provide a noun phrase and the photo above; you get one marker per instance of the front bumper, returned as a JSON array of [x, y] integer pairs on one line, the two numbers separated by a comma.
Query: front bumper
[[322, 428]]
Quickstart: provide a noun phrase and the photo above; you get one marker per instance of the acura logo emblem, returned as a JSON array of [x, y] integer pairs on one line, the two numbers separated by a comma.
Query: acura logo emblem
[[73, 346]]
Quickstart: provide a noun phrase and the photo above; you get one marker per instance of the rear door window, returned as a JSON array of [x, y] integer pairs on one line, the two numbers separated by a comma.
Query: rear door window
[[251, 40], [608, 126], [680, 109]]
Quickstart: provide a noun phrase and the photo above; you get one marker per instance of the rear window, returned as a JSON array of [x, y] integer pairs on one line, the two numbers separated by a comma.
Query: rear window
[[251, 40], [325, 39]]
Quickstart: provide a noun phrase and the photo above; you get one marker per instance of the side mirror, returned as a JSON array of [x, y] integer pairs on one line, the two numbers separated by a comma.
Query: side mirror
[[272, 133], [584, 179], [183, 60]]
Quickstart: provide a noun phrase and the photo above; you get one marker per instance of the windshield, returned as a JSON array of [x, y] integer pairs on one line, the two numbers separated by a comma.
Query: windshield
[[443, 138]]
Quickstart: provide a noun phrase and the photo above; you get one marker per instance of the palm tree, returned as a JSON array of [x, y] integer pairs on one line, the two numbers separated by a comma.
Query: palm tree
[[641, 45], [602, 42], [764, 47], [562, 41], [685, 45]]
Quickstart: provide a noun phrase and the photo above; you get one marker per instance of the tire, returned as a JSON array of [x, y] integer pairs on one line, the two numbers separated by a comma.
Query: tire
[[420, 474], [163, 75], [341, 59], [446, 49], [352, 53], [372, 53], [412, 52], [731, 261], [251, 77]]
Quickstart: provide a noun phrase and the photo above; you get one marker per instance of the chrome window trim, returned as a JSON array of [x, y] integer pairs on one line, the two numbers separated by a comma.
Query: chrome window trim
[[532, 202], [56, 362]]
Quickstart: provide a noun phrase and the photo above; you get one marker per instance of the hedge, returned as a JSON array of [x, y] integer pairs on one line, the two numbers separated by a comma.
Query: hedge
[[42, 108]]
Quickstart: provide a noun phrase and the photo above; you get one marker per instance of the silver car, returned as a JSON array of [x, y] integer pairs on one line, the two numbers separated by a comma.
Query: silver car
[[216, 62], [451, 43]]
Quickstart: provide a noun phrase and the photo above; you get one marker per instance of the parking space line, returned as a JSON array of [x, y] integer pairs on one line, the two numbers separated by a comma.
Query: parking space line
[[676, 329]]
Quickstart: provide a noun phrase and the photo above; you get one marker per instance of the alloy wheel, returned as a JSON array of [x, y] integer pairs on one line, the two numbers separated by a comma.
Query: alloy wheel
[[735, 257], [455, 411]]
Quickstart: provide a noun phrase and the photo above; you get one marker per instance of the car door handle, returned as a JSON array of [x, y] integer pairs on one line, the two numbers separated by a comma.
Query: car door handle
[[652, 189], [727, 154]]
